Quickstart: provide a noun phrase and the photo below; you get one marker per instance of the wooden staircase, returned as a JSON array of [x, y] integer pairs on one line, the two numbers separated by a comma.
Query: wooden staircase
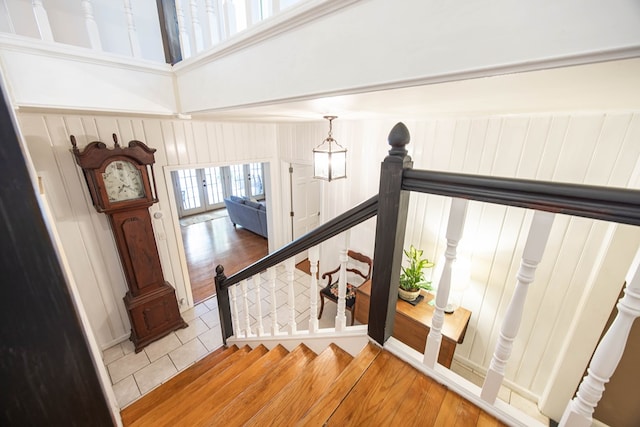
[[260, 387]]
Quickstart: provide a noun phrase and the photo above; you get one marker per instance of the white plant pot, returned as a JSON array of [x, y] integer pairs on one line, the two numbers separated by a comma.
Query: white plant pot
[[408, 295]]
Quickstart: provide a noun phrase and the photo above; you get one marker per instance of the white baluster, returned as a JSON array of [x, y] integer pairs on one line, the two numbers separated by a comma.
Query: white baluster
[[42, 20], [607, 356], [341, 317], [195, 26], [313, 289], [7, 16], [252, 11], [455, 226], [92, 26], [185, 43], [274, 313], [234, 311], [213, 18], [531, 256], [230, 19], [257, 281], [247, 319], [290, 266], [131, 28]]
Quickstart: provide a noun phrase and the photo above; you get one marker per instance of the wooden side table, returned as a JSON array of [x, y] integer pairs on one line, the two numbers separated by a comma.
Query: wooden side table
[[412, 323]]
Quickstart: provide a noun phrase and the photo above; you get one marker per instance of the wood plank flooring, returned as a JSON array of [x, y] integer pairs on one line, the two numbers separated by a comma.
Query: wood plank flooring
[[214, 242], [257, 387]]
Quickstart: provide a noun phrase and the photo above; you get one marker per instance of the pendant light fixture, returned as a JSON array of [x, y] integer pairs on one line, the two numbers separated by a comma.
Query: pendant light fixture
[[330, 158]]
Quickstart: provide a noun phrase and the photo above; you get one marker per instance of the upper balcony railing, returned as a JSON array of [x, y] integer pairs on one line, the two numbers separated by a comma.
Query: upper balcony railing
[[167, 30]]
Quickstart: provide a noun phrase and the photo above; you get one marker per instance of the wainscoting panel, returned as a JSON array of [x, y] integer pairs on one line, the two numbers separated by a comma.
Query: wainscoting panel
[[86, 238]]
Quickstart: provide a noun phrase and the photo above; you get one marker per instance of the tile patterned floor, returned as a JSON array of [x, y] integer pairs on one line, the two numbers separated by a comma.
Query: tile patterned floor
[[133, 375]]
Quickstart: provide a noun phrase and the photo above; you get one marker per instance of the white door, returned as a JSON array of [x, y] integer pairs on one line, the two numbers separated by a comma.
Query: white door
[[305, 201]]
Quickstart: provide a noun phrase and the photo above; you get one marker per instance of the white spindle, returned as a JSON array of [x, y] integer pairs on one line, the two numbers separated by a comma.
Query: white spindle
[[230, 13], [213, 19], [258, 288], [195, 26], [274, 313], [185, 43], [290, 265], [92, 26], [234, 311], [341, 316], [313, 289], [455, 227], [531, 256], [7, 16], [131, 28], [245, 301], [252, 12], [42, 20], [607, 355]]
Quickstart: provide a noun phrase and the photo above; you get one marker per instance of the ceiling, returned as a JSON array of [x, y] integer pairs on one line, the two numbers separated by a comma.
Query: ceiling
[[613, 85]]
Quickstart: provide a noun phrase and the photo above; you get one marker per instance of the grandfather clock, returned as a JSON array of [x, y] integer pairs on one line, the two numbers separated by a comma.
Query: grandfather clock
[[122, 186]]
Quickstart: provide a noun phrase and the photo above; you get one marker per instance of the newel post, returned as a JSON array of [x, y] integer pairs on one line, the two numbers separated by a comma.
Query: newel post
[[393, 204], [224, 308]]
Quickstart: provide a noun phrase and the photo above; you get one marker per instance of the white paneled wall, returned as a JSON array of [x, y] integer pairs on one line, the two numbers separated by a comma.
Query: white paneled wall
[[598, 149], [593, 148], [85, 234]]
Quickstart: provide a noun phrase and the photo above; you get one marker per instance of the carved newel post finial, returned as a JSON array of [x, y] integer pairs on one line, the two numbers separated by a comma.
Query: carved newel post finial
[[398, 139]]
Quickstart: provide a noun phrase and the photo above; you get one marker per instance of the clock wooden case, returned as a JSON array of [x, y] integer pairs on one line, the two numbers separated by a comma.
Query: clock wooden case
[[122, 185]]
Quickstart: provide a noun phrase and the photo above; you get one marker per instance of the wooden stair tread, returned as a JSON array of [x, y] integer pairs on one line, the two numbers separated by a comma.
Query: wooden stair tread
[[210, 404], [457, 411], [375, 398], [300, 394], [250, 401], [213, 379], [325, 406], [141, 406]]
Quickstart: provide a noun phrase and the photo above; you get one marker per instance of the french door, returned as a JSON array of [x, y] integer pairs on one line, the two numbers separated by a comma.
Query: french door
[[204, 189]]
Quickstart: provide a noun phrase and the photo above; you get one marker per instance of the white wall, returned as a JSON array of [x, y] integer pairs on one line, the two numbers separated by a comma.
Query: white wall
[[85, 234], [596, 148], [58, 76], [377, 44]]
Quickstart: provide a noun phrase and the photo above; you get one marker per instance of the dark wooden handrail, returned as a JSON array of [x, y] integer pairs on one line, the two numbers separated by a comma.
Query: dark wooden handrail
[[397, 179], [337, 225], [620, 205], [364, 211]]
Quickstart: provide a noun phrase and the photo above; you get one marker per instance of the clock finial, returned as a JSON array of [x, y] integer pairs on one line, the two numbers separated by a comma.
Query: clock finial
[[74, 144], [115, 141]]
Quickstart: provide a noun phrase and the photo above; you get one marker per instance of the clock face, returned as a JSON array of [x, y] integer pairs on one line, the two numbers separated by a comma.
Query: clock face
[[123, 181]]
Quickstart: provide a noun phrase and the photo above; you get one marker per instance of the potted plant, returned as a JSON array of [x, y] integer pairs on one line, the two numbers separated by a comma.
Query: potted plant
[[412, 277]]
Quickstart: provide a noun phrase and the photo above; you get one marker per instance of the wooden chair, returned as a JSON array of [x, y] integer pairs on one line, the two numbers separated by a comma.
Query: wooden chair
[[356, 263]]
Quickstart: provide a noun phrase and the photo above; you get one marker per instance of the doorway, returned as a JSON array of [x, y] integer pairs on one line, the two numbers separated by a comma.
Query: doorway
[[208, 236], [204, 189]]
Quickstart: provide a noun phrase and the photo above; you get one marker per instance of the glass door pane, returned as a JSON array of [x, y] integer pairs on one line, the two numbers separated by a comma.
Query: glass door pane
[[188, 189], [237, 180], [214, 188], [256, 186]]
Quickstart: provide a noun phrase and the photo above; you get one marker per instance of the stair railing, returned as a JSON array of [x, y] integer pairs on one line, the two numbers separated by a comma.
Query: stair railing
[[228, 295], [397, 178]]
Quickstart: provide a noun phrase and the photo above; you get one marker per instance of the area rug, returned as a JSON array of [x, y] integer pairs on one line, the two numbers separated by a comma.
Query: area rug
[[207, 216]]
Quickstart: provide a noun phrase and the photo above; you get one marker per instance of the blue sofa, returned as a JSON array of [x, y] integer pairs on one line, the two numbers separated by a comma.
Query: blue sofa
[[248, 214]]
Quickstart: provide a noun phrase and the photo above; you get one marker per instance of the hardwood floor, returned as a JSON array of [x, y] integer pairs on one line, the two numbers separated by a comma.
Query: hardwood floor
[[299, 388], [214, 242]]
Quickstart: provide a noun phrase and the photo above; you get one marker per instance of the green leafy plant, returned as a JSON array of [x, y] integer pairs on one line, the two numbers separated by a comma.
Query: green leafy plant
[[412, 277]]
